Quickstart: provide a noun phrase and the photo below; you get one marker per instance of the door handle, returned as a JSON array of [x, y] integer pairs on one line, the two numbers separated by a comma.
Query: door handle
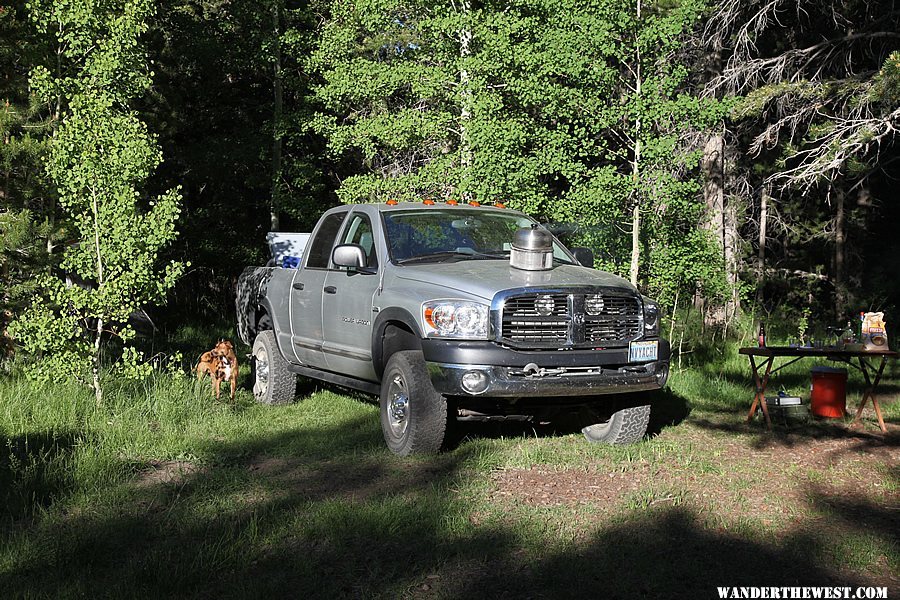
[[330, 289], [298, 285]]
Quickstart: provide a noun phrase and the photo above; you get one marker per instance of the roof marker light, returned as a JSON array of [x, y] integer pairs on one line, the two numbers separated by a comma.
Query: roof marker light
[[428, 201], [452, 202], [391, 202], [473, 203]]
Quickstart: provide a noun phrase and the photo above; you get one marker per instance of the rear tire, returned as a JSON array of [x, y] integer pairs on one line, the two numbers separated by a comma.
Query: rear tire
[[625, 426], [413, 414], [273, 383]]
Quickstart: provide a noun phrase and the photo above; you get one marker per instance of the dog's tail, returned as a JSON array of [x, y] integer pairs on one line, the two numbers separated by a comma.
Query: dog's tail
[[201, 367]]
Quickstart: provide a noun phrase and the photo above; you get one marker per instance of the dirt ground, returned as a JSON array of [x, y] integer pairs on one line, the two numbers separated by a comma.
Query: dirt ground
[[773, 475]]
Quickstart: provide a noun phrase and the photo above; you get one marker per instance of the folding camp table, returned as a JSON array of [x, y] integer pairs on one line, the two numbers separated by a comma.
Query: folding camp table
[[868, 361]]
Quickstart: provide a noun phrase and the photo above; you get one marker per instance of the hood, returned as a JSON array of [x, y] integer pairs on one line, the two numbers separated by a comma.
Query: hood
[[484, 278]]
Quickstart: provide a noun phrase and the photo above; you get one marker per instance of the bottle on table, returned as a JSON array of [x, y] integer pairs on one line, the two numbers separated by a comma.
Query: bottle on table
[[762, 334], [847, 336]]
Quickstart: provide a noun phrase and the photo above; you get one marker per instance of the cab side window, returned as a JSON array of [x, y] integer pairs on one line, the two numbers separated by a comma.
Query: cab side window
[[320, 248], [359, 231]]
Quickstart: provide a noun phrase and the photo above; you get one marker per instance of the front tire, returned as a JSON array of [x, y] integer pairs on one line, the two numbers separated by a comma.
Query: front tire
[[273, 383], [625, 426], [413, 414]]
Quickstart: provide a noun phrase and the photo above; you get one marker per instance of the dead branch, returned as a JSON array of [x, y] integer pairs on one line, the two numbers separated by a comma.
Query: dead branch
[[847, 138]]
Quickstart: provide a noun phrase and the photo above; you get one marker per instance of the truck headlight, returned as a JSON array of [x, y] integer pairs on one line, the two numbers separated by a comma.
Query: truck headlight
[[651, 317], [455, 319]]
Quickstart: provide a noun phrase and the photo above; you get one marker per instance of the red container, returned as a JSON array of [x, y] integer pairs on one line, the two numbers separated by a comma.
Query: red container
[[829, 392]]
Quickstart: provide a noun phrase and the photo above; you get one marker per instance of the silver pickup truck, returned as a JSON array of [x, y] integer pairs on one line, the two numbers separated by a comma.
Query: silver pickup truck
[[453, 311]]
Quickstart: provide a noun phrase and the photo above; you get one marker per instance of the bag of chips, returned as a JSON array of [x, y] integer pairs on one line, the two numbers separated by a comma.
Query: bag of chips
[[874, 332]]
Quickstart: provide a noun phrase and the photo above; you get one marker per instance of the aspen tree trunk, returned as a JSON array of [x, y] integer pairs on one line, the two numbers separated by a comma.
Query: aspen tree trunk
[[276, 119], [635, 173], [95, 370], [465, 112], [761, 253], [57, 115]]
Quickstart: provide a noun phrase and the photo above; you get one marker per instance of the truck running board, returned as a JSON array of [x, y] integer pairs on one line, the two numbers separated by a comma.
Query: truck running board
[[342, 380]]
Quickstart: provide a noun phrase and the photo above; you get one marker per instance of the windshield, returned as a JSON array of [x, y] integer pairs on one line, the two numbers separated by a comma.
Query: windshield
[[435, 235]]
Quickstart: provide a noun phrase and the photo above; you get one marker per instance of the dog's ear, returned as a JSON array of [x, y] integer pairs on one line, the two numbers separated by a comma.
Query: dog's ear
[[229, 345]]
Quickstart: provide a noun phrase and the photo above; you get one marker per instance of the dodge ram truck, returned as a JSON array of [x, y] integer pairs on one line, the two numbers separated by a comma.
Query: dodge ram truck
[[453, 311]]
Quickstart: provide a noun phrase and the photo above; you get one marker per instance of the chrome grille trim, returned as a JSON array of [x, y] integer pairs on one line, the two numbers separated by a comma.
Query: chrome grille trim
[[516, 323]]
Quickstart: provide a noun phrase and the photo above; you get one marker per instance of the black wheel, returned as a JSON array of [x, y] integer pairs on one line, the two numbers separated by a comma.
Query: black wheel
[[625, 426], [273, 383], [413, 414]]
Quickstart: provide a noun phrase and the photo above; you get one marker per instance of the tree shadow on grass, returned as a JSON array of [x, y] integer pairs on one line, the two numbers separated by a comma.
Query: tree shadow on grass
[[860, 512], [666, 553], [34, 472], [799, 435], [265, 519]]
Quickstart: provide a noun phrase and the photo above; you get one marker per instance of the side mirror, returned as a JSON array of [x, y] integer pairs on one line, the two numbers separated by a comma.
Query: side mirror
[[584, 256], [349, 255]]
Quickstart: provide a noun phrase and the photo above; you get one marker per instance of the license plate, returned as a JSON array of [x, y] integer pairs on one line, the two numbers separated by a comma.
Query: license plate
[[643, 351]]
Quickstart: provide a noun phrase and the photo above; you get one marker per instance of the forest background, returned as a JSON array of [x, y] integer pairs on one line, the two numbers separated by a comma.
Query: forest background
[[736, 159], [739, 158]]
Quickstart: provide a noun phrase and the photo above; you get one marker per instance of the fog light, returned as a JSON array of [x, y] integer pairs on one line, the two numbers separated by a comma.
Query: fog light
[[474, 382], [544, 305], [662, 374]]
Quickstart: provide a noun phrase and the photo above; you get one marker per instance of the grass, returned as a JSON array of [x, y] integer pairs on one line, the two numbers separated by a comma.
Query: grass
[[163, 491]]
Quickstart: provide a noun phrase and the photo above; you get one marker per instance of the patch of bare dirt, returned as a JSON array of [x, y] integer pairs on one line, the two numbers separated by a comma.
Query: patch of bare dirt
[[166, 472], [540, 487], [771, 481]]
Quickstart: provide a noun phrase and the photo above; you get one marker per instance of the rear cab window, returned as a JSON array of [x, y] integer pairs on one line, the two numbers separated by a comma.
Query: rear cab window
[[319, 253]]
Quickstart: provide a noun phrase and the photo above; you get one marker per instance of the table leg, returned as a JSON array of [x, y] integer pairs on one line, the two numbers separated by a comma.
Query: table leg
[[871, 386], [760, 398]]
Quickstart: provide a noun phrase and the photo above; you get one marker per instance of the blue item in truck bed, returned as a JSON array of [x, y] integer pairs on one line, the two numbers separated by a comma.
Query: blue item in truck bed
[[283, 244], [290, 262]]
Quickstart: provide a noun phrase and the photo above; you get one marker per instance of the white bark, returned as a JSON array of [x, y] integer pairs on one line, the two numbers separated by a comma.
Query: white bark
[[276, 119], [465, 91], [95, 370], [761, 253], [634, 271]]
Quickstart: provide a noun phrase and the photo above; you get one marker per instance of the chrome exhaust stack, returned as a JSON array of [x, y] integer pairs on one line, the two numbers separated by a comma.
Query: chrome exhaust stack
[[532, 249]]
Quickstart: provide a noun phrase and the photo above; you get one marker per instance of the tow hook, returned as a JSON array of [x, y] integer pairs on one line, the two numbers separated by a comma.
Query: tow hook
[[532, 370]]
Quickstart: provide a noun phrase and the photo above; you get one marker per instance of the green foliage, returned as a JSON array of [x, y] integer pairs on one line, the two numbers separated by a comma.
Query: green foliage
[[28, 229], [640, 160], [99, 156], [535, 103], [885, 88], [22, 256]]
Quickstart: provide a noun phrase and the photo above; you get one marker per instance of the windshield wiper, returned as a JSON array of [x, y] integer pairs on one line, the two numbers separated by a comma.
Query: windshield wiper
[[451, 255]]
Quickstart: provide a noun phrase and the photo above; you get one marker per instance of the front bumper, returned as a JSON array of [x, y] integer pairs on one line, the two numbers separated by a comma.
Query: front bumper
[[489, 370]]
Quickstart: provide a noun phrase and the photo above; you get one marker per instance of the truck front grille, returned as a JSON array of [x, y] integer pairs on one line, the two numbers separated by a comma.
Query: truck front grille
[[523, 323], [543, 321]]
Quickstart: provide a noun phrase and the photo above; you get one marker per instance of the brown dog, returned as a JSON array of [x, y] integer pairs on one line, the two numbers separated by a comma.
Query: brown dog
[[221, 364], [7, 345]]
